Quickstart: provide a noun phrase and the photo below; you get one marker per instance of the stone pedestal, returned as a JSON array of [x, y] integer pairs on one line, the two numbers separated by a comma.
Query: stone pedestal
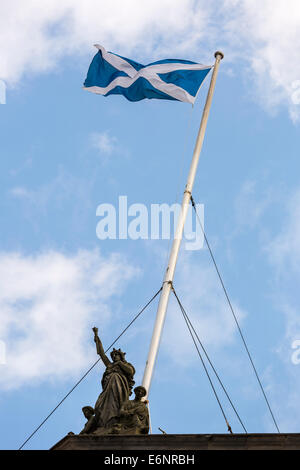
[[180, 442]]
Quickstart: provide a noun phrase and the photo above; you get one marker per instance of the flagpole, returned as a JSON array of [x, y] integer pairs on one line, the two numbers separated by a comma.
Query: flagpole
[[169, 275]]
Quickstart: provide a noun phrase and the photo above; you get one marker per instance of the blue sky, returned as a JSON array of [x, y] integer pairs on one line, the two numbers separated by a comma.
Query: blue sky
[[64, 151]]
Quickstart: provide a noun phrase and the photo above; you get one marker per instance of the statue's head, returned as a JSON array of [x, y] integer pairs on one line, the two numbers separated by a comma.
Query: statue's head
[[88, 411], [117, 355], [140, 392]]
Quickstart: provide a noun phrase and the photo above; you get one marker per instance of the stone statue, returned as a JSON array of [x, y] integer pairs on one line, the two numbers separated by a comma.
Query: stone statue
[[134, 415], [90, 425], [117, 383]]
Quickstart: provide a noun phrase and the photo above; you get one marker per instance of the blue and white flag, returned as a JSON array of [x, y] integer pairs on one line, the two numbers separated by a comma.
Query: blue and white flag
[[170, 79]]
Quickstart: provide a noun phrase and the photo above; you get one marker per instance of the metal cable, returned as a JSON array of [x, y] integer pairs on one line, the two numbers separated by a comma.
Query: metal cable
[[203, 363], [79, 381], [207, 357], [234, 316]]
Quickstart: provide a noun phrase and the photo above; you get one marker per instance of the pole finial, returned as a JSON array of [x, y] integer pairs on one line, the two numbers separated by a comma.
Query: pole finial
[[220, 54]]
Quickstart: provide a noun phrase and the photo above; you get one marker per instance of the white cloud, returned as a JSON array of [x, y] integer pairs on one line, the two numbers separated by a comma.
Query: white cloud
[[48, 304], [265, 35], [261, 38], [34, 36], [284, 249], [251, 204], [104, 142]]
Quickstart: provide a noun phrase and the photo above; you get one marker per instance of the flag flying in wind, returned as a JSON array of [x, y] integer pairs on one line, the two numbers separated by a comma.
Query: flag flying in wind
[[170, 79]]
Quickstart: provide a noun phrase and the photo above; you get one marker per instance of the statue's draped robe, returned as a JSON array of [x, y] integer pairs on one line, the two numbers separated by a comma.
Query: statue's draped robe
[[116, 385]]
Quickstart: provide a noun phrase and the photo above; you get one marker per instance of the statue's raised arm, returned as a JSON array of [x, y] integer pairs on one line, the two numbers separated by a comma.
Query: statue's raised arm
[[99, 348]]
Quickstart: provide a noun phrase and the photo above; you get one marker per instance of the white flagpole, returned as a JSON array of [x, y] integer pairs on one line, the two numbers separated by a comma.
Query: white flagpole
[[169, 275]]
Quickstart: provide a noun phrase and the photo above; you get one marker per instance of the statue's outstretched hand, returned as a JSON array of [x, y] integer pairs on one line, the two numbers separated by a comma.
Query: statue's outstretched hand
[[95, 330]]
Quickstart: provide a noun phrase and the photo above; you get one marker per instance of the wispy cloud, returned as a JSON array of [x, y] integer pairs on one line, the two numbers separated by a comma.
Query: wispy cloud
[[104, 142], [284, 248], [48, 304], [283, 253], [204, 301], [264, 36], [20, 192], [65, 186], [250, 206]]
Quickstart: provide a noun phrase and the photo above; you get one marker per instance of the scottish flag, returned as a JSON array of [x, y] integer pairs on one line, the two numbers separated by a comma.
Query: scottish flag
[[170, 79]]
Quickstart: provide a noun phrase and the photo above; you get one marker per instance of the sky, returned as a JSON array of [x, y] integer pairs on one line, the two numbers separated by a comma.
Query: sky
[[66, 152]]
